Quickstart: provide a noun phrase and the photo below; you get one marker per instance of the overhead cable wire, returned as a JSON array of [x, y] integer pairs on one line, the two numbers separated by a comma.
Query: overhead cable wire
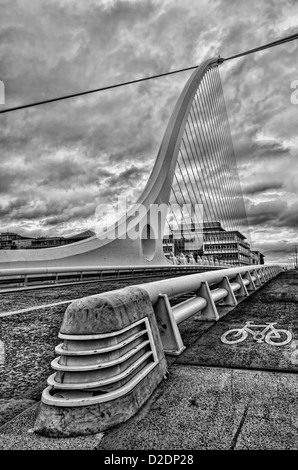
[[278, 42], [152, 77]]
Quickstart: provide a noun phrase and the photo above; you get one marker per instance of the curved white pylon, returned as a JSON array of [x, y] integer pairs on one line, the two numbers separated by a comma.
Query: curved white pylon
[[138, 241]]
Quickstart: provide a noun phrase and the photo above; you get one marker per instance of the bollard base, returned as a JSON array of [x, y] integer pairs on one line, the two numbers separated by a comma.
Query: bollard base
[[55, 421], [111, 361]]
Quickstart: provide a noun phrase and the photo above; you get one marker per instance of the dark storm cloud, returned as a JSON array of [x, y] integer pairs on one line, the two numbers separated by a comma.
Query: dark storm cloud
[[277, 250], [274, 214], [248, 148], [6, 181], [289, 218], [266, 212], [75, 143], [131, 173], [261, 187]]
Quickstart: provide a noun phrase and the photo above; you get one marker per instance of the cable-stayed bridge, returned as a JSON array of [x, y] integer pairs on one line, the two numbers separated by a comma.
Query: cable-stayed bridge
[[193, 190], [113, 354]]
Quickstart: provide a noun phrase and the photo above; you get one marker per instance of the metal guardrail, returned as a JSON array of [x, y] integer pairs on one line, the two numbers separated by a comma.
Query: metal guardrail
[[28, 277], [210, 289], [114, 344]]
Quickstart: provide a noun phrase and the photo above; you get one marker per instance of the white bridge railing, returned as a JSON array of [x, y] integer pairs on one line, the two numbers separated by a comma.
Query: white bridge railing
[[209, 288], [26, 277], [114, 344]]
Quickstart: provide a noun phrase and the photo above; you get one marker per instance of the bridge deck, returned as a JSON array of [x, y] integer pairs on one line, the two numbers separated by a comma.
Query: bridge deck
[[217, 395]]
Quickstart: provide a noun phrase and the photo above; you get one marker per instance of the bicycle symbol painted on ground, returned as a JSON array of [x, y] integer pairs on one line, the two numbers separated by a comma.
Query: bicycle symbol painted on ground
[[271, 335]]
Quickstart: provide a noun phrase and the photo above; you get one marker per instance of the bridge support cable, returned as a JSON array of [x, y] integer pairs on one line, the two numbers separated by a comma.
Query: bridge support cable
[[242, 222], [229, 160], [220, 60], [197, 148], [227, 192], [206, 171], [208, 163], [211, 136], [230, 183], [198, 180], [227, 189], [225, 181], [189, 151], [212, 153]]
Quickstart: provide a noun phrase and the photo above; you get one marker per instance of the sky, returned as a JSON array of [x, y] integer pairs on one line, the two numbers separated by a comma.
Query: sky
[[61, 160]]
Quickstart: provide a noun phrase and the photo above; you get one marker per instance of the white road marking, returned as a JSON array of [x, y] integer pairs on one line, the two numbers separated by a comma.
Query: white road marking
[[38, 307]]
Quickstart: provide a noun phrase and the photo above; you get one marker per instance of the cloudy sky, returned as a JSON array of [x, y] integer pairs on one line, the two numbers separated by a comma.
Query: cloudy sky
[[60, 160]]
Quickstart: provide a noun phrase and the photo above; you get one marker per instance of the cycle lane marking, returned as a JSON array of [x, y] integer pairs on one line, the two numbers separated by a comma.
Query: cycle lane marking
[[266, 335]]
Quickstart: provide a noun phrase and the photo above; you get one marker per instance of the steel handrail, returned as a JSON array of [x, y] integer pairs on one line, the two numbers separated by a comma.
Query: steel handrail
[[183, 285], [79, 269]]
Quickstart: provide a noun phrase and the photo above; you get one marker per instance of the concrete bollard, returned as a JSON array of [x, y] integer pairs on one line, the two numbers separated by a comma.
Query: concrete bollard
[[109, 364]]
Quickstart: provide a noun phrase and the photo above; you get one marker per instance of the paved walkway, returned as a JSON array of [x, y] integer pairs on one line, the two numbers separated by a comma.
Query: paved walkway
[[217, 395]]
